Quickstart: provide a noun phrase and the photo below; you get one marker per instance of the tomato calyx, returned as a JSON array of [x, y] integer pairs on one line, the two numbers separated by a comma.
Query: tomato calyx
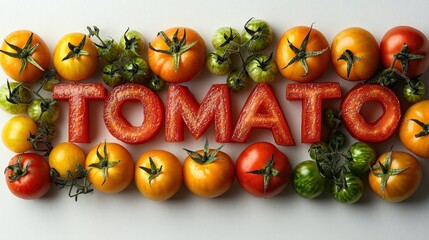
[[104, 164], [106, 47], [301, 54], [176, 47], [153, 171], [231, 37], [80, 182], [76, 51], [15, 95], [350, 58], [41, 140], [385, 171], [131, 44], [18, 171], [264, 65], [268, 171], [207, 157], [404, 57], [424, 126], [155, 83]]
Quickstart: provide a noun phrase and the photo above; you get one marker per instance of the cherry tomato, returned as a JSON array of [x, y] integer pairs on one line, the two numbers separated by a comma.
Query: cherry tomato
[[112, 75], [24, 56], [348, 189], [46, 111], [237, 80], [158, 175], [263, 170], [226, 38], [361, 156], [16, 131], [257, 33], [262, 68], [218, 64], [307, 181], [14, 97], [136, 71], [27, 176], [132, 43], [414, 91], [65, 159]]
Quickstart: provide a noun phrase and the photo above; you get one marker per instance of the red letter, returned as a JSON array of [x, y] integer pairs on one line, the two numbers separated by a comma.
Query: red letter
[[311, 95], [262, 110], [119, 127], [182, 108], [384, 126], [78, 96]]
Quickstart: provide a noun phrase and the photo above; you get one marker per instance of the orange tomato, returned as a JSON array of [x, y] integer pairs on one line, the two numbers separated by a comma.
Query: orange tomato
[[64, 158]]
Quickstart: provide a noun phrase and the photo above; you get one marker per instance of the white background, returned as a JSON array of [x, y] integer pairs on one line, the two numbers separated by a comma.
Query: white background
[[235, 215]]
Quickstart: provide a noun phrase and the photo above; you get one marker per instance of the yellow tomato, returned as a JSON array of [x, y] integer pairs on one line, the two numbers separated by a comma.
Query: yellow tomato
[[65, 157], [16, 132]]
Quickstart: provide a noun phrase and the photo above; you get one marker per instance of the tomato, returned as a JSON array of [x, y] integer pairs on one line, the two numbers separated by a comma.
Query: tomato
[[318, 149], [257, 34], [414, 91], [108, 49], [355, 54], [262, 68], [226, 38], [177, 54], [27, 176], [50, 78], [158, 175], [46, 111], [14, 97], [414, 129], [75, 57], [361, 156], [16, 131], [405, 49], [155, 83], [263, 170], [208, 173], [380, 129], [136, 71], [65, 158], [24, 56], [132, 43], [307, 56], [111, 167], [262, 110], [395, 176], [348, 189], [218, 63], [237, 80], [112, 75], [307, 181]]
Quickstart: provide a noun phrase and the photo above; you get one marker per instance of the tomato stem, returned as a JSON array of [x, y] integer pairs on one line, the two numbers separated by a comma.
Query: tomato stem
[[424, 126], [17, 169], [76, 51], [208, 155], [350, 58], [153, 171], [268, 171], [104, 164]]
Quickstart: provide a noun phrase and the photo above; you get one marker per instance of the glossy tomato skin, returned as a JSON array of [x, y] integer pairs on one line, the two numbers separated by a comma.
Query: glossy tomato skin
[[255, 157], [16, 131], [163, 184], [119, 176], [317, 65], [23, 96], [307, 181], [392, 42], [364, 51], [35, 183], [409, 128], [46, 111], [75, 68], [11, 66], [361, 157], [65, 157], [262, 38], [191, 62], [351, 192], [400, 186]]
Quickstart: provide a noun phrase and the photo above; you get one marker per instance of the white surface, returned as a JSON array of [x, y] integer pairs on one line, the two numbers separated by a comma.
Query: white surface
[[236, 215]]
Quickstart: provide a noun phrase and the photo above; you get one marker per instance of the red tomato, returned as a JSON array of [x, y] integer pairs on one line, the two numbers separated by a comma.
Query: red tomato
[[27, 176], [263, 170], [262, 110], [410, 46]]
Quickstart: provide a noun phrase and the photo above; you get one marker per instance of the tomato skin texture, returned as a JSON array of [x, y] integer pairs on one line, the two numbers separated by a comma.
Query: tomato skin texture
[[190, 64], [64, 157], [167, 183], [78, 96], [75, 68], [307, 181], [16, 131], [361, 158], [36, 182], [35, 111], [379, 130], [119, 176], [352, 193], [402, 186], [254, 157], [121, 128], [11, 66], [317, 65], [363, 45], [209, 180], [408, 129], [24, 96], [392, 42]]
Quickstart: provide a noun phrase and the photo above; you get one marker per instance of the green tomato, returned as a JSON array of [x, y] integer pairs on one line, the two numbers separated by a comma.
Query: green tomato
[[111, 75], [132, 43], [237, 81], [262, 68], [318, 150], [348, 190], [414, 91], [156, 84], [136, 71], [46, 111], [226, 38], [50, 78], [361, 156], [337, 139], [14, 97], [218, 64], [110, 51], [258, 34], [307, 181]]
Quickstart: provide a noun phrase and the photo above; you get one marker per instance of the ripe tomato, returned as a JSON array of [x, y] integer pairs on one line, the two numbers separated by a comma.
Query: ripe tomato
[[177, 54], [395, 176], [75, 57], [208, 173], [24, 56], [355, 54], [307, 56], [65, 158], [16, 131], [263, 170], [158, 175], [414, 129], [27, 176], [409, 47], [111, 167]]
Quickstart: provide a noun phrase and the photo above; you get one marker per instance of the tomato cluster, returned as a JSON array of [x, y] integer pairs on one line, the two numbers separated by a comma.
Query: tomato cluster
[[178, 55]]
